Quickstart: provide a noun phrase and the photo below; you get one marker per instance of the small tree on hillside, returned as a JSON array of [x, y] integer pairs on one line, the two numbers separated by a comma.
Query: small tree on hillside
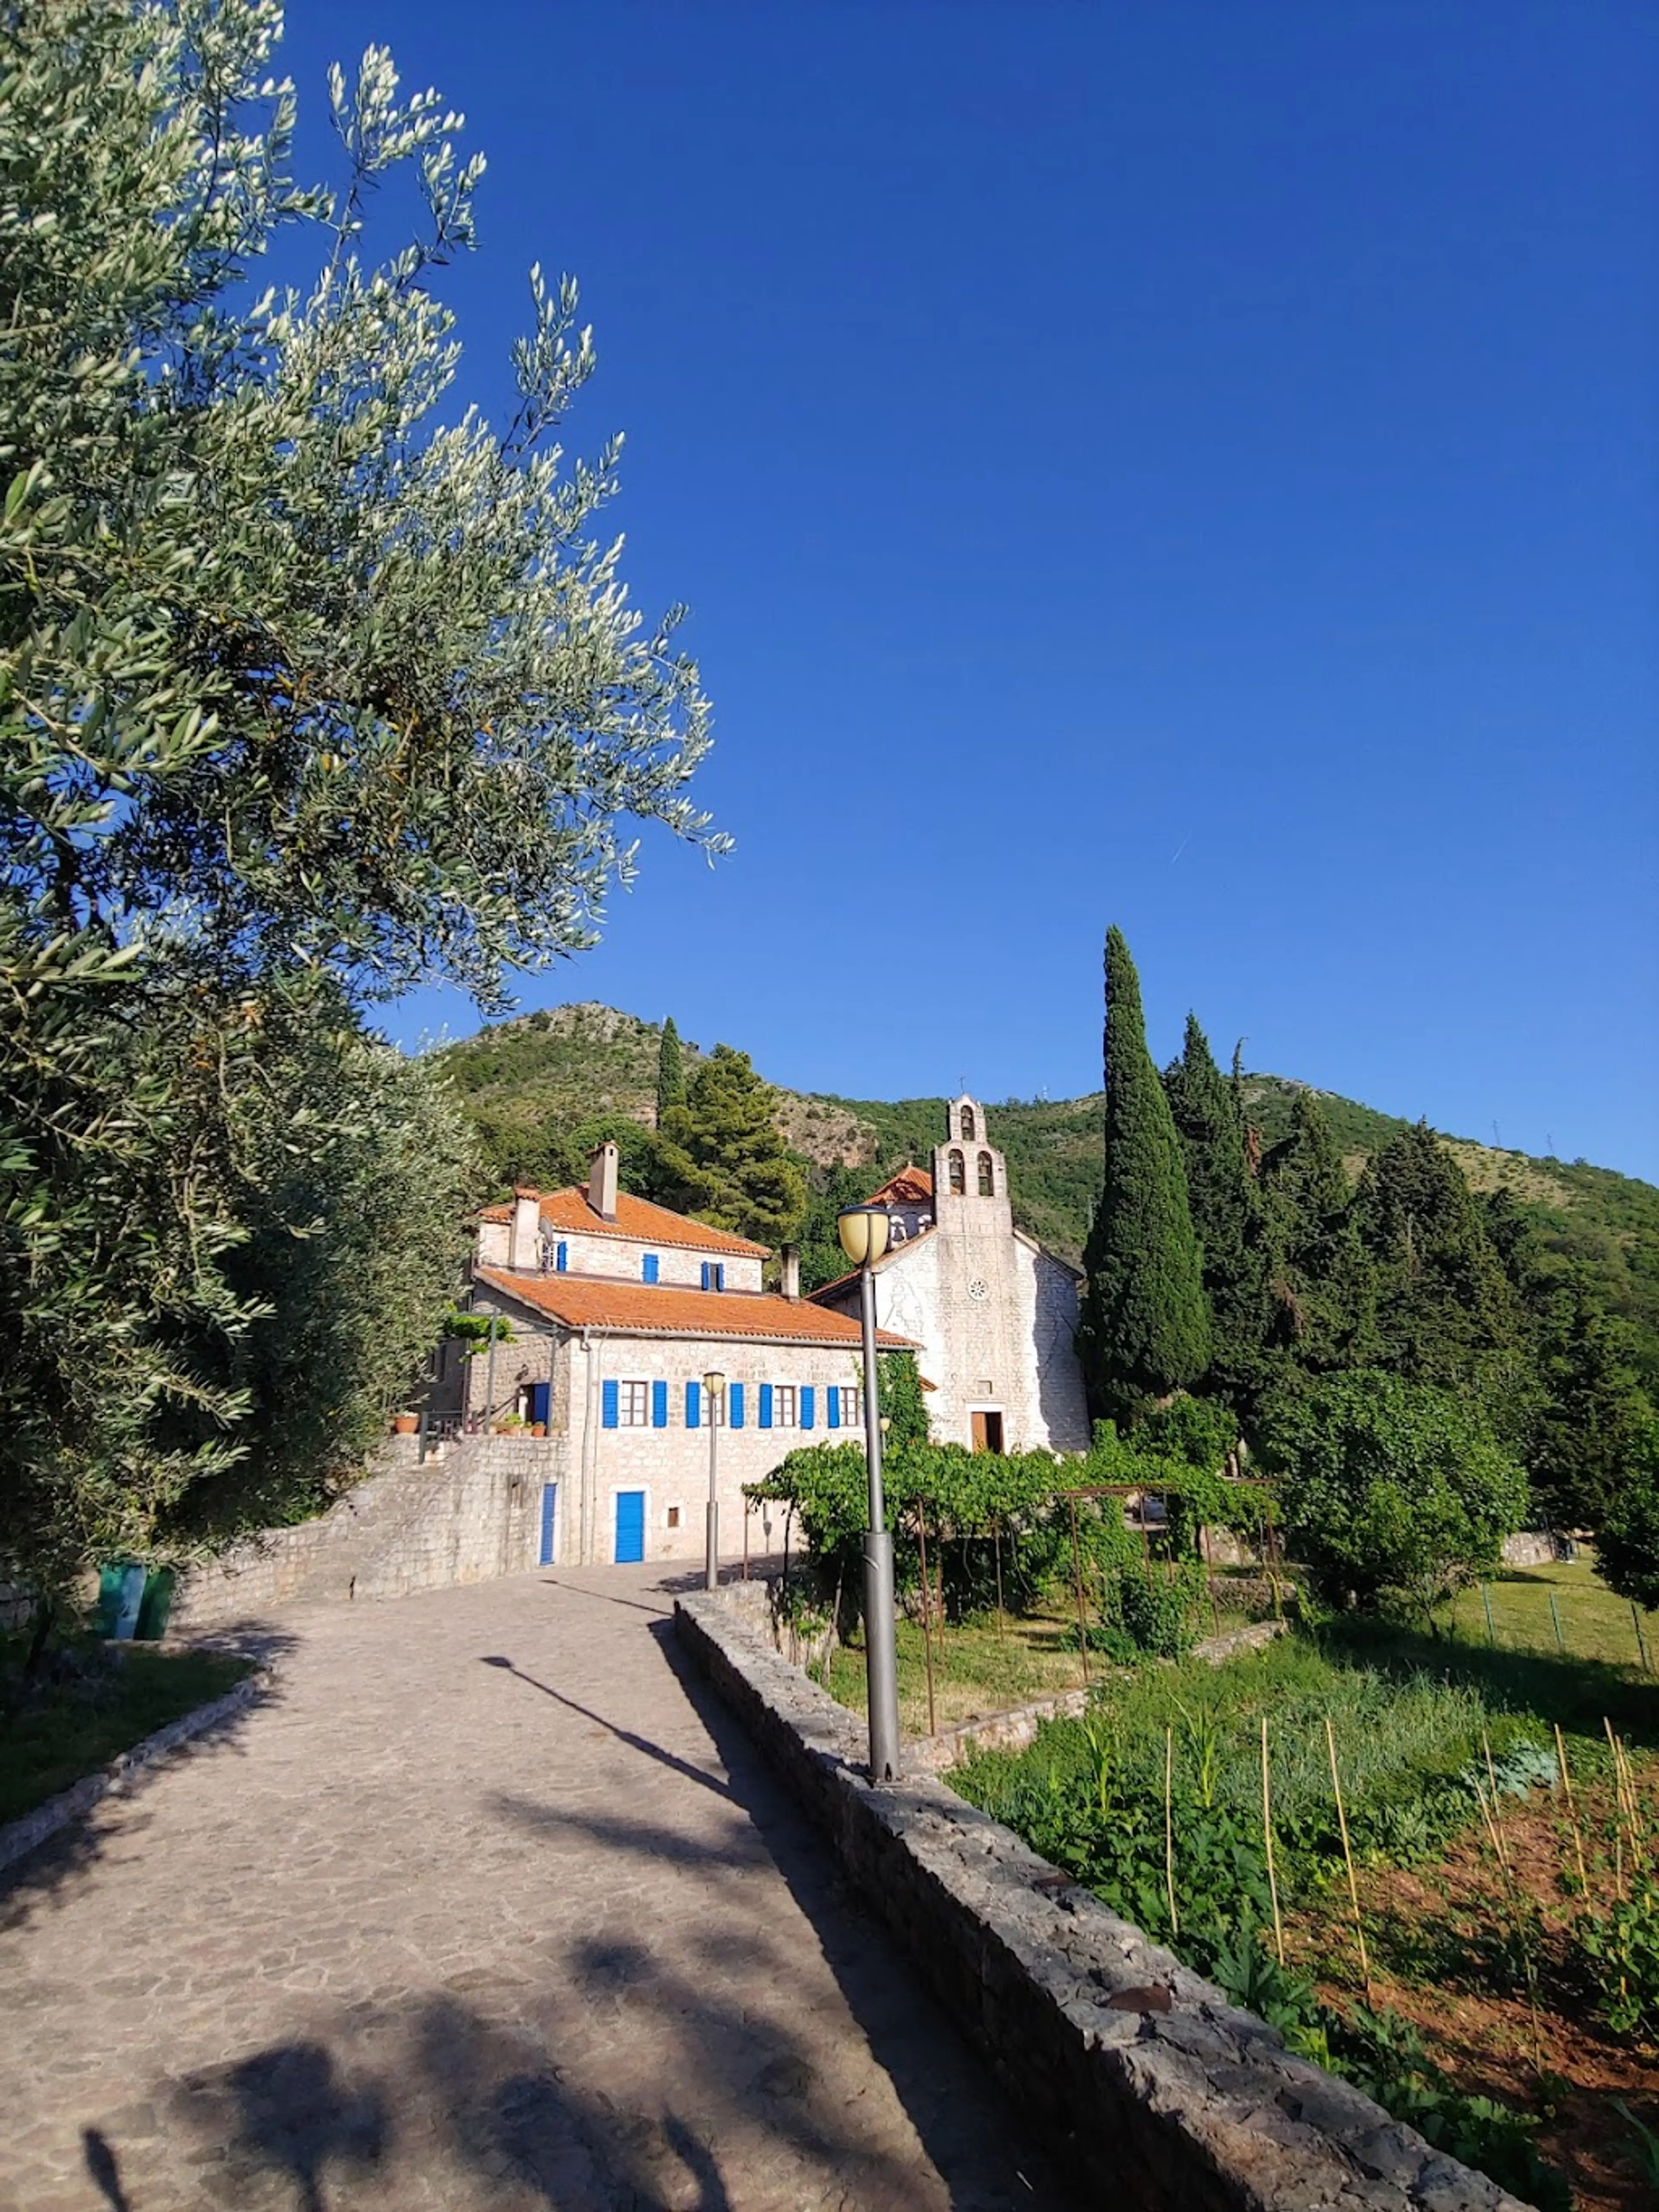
[[1226, 1214], [1145, 1327], [1390, 1485], [822, 1260], [670, 1070]]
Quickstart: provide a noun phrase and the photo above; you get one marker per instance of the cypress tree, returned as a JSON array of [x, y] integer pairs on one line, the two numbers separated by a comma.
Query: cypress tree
[[1145, 1329], [1446, 1312], [1226, 1214], [670, 1070], [1589, 1432], [1319, 1276]]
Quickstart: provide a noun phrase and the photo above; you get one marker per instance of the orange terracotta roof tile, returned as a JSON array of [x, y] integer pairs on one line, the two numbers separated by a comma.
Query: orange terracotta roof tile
[[640, 1309], [637, 1217], [494, 1213], [909, 1187]]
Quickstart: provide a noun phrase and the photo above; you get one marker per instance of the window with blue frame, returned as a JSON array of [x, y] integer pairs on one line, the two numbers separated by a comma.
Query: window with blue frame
[[713, 1274], [648, 1267]]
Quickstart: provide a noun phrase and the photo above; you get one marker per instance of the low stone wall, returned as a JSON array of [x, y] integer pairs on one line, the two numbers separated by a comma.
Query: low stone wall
[[1155, 2090], [471, 1512], [1531, 1547]]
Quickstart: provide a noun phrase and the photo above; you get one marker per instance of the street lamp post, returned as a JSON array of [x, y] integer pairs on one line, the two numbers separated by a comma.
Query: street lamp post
[[864, 1231], [713, 1387]]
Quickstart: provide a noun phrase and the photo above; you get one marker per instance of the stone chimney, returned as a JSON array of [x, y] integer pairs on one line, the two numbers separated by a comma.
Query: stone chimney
[[602, 1182], [789, 1281], [525, 1249]]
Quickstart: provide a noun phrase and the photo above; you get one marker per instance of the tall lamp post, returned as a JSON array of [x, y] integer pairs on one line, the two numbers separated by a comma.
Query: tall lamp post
[[714, 1389], [864, 1232]]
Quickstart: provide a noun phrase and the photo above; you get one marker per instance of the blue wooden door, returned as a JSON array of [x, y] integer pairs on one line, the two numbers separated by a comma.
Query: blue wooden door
[[630, 1525], [541, 1402], [549, 1511]]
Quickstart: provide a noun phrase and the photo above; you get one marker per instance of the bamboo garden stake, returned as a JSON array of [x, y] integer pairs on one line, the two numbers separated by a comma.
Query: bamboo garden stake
[[1267, 1832], [1347, 1857], [1572, 1808], [1169, 1828]]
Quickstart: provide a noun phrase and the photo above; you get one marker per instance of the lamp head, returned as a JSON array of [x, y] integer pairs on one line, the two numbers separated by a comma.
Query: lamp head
[[714, 1383], [864, 1231]]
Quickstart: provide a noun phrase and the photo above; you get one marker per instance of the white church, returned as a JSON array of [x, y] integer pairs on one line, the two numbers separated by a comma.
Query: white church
[[993, 1315]]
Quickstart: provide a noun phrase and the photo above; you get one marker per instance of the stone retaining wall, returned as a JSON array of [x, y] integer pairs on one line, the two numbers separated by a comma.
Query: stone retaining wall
[[472, 1511], [1155, 2090]]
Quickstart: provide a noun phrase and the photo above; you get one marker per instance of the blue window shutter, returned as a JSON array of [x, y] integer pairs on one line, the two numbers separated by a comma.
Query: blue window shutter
[[648, 1267], [609, 1401], [562, 1258], [693, 1405], [766, 1406], [734, 1404], [660, 1405], [720, 1275], [705, 1274], [808, 1404], [832, 1408]]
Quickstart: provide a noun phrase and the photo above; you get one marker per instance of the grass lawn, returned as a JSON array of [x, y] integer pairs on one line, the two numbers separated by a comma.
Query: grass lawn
[[49, 1743], [978, 1671], [1595, 1624]]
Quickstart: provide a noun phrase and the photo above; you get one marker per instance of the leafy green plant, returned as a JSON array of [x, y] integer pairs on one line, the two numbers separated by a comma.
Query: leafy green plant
[[1614, 1944]]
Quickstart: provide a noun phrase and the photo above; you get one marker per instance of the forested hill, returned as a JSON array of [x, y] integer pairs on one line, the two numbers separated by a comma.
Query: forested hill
[[529, 1082]]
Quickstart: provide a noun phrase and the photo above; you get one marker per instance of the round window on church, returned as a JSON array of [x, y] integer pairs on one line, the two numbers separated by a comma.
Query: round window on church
[[979, 1288]]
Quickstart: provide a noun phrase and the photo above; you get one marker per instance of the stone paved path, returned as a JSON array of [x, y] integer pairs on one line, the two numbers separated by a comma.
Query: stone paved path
[[490, 1910]]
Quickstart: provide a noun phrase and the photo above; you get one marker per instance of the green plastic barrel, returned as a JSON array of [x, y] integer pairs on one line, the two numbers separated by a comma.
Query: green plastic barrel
[[157, 1605]]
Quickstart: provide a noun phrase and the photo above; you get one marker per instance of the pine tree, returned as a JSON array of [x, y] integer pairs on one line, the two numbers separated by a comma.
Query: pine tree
[[724, 1155], [670, 1070], [1446, 1312], [1145, 1328], [1319, 1286], [1226, 1214]]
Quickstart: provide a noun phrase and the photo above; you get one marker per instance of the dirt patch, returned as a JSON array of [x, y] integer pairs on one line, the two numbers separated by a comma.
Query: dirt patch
[[1448, 1946]]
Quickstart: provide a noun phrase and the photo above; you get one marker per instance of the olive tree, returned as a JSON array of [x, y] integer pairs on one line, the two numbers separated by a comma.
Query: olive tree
[[309, 692]]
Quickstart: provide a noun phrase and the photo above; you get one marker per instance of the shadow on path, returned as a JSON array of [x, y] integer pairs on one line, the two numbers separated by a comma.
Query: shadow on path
[[623, 1736]]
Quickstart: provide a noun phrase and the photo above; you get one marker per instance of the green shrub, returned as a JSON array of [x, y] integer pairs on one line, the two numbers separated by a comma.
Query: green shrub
[[1390, 1486]]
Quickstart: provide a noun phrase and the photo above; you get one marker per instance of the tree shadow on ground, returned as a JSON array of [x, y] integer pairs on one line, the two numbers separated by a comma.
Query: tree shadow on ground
[[970, 2133], [55, 1871]]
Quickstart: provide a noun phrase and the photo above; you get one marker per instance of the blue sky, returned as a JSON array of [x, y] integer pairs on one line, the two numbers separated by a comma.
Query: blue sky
[[1187, 466]]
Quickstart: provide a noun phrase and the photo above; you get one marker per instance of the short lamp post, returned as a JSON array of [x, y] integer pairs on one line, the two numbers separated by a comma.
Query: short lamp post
[[713, 1391], [864, 1232]]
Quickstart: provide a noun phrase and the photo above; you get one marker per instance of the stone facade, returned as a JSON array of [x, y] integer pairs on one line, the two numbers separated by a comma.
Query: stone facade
[[469, 1511], [670, 1464], [994, 1314], [618, 1309]]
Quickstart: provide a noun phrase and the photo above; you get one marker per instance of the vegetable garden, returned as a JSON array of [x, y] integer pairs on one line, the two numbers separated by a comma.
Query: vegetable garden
[[1418, 1834]]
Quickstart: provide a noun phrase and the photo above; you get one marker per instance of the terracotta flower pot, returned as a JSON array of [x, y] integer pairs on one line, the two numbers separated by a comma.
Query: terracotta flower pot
[[405, 1424]]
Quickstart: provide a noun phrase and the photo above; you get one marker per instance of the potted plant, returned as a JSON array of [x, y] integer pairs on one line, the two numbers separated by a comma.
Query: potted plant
[[405, 1424]]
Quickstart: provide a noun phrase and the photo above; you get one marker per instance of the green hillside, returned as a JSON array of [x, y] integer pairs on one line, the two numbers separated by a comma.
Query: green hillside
[[529, 1082]]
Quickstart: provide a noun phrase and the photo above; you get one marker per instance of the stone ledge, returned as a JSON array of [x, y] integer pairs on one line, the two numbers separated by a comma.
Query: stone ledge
[[19, 1837], [1142, 2077]]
